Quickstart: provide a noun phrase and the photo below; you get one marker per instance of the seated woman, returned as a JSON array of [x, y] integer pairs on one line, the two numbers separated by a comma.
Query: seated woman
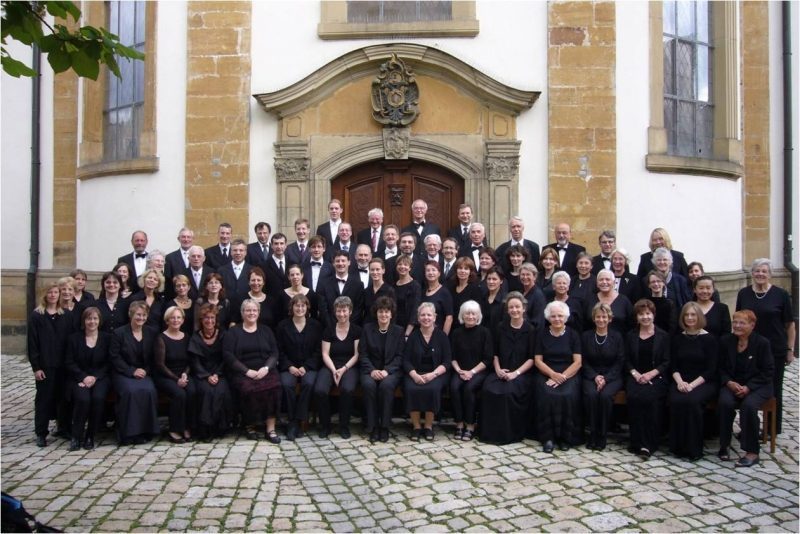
[[426, 358], [516, 255], [666, 311], [172, 377], [583, 285], [299, 345], [472, 351], [561, 284], [380, 355], [87, 365], [408, 294], [601, 372], [694, 371], [152, 285], [339, 356], [215, 413], [131, 356], [558, 360], [623, 316], [646, 362], [435, 293], [717, 314], [507, 392], [295, 275], [251, 356], [746, 366]]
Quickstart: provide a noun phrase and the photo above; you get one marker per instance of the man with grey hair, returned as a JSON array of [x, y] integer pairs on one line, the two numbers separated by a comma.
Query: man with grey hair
[[198, 271], [516, 228], [177, 261], [420, 225], [136, 260], [477, 240], [608, 242], [373, 234], [433, 244]]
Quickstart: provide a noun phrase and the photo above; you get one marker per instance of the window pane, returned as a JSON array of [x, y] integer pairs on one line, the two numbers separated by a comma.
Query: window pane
[[669, 17], [703, 18], [669, 124], [398, 11], [686, 19], [705, 131], [684, 70], [669, 66], [140, 27], [126, 21], [126, 84], [703, 74], [113, 17], [138, 90], [435, 10], [686, 125]]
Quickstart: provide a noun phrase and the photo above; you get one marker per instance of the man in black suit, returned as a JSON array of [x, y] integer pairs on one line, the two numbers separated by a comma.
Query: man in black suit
[[197, 272], [361, 265], [608, 242], [177, 261], [344, 241], [449, 257], [236, 274], [433, 248], [461, 232], [477, 240], [298, 251], [421, 227], [220, 254], [330, 229], [315, 268], [391, 236], [344, 283], [276, 266], [136, 260], [407, 246], [373, 234], [516, 228], [567, 251], [258, 251]]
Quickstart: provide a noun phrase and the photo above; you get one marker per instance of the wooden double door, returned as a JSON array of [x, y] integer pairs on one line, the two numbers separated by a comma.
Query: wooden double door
[[392, 186]]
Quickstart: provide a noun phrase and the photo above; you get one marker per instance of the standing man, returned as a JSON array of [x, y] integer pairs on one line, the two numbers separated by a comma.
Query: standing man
[[298, 251], [236, 274], [567, 251], [343, 284], [433, 245], [363, 257], [408, 246], [258, 251], [449, 256], [391, 234], [344, 242], [275, 267], [316, 268], [461, 232], [608, 242], [516, 228], [136, 260], [330, 229], [477, 238], [419, 226], [177, 261], [372, 235], [220, 254], [198, 271]]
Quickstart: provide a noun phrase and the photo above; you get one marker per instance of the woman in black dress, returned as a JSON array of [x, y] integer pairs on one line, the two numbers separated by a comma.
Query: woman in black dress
[[299, 345], [436, 294], [269, 313], [380, 355], [131, 356], [408, 294], [152, 284], [487, 260], [717, 314], [492, 299], [623, 317], [81, 295], [215, 412], [601, 373], [548, 264], [625, 282], [746, 367], [113, 307], [507, 392], [516, 255], [773, 308], [646, 362], [583, 285], [251, 356], [180, 286], [376, 288], [557, 386], [464, 285], [426, 358], [213, 293], [694, 371], [295, 275], [561, 284], [124, 272], [660, 238], [339, 356], [49, 327], [172, 378], [472, 351], [666, 311], [88, 369], [533, 294]]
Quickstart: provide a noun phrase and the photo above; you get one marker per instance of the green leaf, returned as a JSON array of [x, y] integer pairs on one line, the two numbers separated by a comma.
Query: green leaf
[[15, 68], [49, 43], [59, 59], [85, 66], [62, 9]]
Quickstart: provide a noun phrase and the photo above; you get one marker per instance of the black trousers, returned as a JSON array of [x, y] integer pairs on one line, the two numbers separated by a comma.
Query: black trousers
[[297, 405], [748, 417], [378, 400], [645, 404], [322, 389], [50, 402], [182, 403], [464, 397], [599, 408], [88, 404]]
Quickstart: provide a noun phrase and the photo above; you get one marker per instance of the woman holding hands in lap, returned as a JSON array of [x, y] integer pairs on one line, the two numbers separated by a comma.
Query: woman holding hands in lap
[[172, 376]]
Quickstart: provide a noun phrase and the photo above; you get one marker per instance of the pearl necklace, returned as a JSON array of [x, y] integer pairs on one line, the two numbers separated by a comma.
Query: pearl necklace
[[760, 296]]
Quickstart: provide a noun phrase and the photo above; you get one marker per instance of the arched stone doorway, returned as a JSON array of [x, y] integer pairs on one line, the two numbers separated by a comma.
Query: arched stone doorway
[[393, 185]]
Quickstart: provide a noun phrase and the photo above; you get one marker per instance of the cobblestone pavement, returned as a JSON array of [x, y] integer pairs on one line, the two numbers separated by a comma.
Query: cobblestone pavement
[[349, 485]]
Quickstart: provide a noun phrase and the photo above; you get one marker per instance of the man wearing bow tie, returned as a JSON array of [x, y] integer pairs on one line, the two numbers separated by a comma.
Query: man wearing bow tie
[[608, 242], [363, 257], [567, 251], [391, 235], [342, 284], [315, 268], [419, 226], [136, 260], [477, 241], [220, 254]]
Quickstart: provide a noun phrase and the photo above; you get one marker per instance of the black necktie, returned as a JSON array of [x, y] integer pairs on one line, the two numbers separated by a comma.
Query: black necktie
[[225, 252]]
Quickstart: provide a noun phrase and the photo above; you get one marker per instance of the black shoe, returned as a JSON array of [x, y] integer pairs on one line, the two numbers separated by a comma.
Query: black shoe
[[724, 455], [467, 435], [324, 432], [416, 434], [459, 434], [645, 453], [374, 436], [88, 443], [427, 433], [74, 445], [41, 441], [744, 461], [344, 432], [250, 434], [384, 435], [272, 437], [548, 447], [173, 439], [563, 446], [291, 433]]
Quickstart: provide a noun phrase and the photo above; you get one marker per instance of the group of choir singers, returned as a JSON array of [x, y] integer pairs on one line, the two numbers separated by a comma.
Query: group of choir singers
[[525, 351]]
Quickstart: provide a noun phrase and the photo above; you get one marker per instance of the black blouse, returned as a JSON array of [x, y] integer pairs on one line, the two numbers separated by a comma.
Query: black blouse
[[443, 303], [244, 351], [424, 357], [47, 338], [694, 356], [83, 361], [206, 359], [408, 299], [514, 346], [602, 356], [342, 350], [773, 311], [171, 358], [299, 349], [557, 351], [472, 346]]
